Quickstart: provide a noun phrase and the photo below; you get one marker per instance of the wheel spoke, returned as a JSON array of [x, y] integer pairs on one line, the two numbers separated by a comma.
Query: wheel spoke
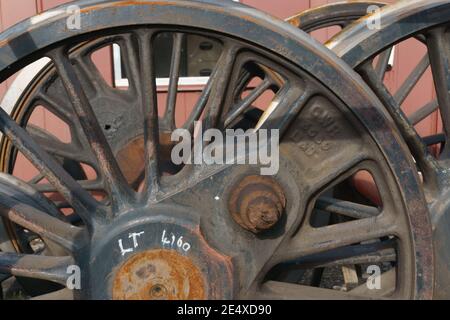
[[58, 148], [24, 193], [88, 185], [383, 61], [244, 78], [247, 101], [423, 112], [200, 104], [37, 178], [83, 203], [220, 86], [58, 108], [275, 290], [89, 75], [130, 57], [346, 208], [434, 139], [41, 223], [150, 113], [286, 105], [169, 117], [412, 79], [213, 95], [37, 267], [120, 192], [349, 255], [425, 162], [316, 240], [439, 55]]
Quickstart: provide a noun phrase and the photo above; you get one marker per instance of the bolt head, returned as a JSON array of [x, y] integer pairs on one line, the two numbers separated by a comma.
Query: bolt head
[[257, 203], [263, 214]]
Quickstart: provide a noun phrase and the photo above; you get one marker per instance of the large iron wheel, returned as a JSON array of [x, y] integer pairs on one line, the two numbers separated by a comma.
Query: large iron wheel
[[427, 22], [221, 249]]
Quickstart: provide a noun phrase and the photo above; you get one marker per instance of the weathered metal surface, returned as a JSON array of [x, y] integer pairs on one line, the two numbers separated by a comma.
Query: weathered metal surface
[[187, 213], [358, 46], [25, 266], [346, 208], [159, 275], [257, 203], [335, 14]]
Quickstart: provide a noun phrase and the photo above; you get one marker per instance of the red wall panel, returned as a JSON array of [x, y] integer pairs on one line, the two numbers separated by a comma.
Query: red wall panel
[[12, 11], [280, 8], [48, 4]]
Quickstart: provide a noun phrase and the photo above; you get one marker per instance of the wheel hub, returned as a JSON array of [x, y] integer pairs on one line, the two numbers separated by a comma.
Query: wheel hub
[[164, 257], [159, 275]]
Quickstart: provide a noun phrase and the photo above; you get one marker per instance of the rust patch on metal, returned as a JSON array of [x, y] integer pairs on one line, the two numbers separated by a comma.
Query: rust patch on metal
[[131, 157], [159, 275], [257, 203]]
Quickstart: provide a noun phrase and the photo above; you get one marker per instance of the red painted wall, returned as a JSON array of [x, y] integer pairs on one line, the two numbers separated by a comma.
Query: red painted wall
[[12, 11]]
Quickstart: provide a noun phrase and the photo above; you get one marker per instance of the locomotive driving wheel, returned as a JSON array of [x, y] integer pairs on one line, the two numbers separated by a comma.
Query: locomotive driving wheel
[[137, 230], [425, 22]]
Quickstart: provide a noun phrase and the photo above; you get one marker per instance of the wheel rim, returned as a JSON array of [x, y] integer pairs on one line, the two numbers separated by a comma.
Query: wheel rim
[[339, 14], [278, 119]]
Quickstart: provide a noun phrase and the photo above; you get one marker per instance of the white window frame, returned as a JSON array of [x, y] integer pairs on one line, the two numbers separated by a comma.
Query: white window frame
[[392, 58], [120, 81]]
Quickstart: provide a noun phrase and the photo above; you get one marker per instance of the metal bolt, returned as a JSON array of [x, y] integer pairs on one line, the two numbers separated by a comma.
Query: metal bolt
[[263, 213], [257, 203]]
